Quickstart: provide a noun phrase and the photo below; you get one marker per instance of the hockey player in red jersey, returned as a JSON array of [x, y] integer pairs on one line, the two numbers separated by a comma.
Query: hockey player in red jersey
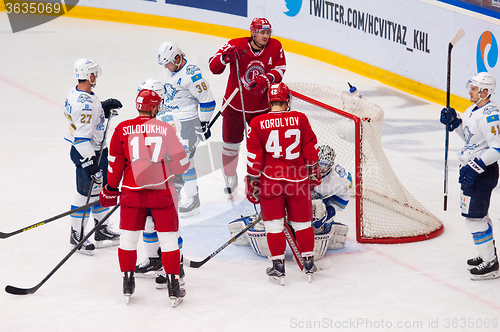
[[282, 167], [261, 62], [146, 153]]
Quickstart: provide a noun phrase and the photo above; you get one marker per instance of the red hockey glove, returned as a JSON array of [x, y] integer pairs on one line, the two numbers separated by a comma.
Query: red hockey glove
[[231, 54], [260, 84], [252, 189], [108, 196], [314, 175]]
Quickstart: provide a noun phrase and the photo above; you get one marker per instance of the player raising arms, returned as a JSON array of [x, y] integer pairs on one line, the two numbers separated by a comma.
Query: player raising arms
[[186, 93], [147, 154], [261, 62], [480, 129], [282, 168]]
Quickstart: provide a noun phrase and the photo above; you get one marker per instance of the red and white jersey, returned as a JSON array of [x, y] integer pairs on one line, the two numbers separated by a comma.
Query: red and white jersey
[[270, 60], [280, 145], [146, 152]]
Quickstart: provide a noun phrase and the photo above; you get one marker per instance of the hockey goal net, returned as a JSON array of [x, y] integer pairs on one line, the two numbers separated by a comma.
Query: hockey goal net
[[385, 211]]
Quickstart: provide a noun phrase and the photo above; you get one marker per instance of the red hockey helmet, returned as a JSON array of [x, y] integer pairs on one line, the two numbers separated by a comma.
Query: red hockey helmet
[[279, 92], [146, 100], [260, 23]]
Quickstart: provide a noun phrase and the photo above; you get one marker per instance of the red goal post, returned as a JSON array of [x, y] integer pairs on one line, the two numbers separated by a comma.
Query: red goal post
[[385, 212]]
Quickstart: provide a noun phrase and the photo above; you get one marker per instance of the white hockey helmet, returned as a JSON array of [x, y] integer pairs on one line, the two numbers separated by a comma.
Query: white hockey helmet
[[85, 67], [152, 84], [326, 157], [167, 53], [483, 80]]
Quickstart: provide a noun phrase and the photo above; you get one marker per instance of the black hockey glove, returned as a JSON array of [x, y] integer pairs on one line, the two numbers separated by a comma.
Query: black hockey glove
[[110, 104], [449, 116], [206, 129], [92, 168]]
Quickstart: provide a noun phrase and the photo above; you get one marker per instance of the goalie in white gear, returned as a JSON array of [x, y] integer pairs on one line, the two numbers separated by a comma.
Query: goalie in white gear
[[187, 95], [328, 198]]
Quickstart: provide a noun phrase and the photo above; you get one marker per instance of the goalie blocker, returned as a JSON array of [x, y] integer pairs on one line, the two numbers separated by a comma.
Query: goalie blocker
[[331, 235]]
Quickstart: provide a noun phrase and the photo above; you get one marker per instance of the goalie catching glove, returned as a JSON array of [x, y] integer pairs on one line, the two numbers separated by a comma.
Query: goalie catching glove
[[252, 189], [108, 196]]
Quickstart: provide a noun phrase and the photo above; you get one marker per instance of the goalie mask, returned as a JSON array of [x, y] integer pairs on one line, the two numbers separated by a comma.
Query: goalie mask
[[326, 157]]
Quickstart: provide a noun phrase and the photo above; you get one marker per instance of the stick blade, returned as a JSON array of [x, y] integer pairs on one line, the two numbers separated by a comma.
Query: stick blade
[[19, 291], [459, 35]]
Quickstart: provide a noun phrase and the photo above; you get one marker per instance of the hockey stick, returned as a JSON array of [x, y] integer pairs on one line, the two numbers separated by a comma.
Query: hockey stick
[[112, 114], [223, 107], [322, 264], [452, 43], [198, 264], [25, 291], [46, 221]]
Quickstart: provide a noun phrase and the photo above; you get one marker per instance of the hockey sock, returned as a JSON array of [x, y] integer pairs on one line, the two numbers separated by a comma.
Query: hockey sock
[[230, 163], [76, 218], [127, 259], [276, 243], [305, 240], [484, 244], [98, 212], [151, 243], [190, 182], [171, 261]]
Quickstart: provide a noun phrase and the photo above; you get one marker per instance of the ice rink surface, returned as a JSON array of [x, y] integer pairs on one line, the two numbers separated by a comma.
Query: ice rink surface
[[422, 286]]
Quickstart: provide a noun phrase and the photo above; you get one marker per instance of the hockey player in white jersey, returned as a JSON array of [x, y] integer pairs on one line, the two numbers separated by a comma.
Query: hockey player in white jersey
[[187, 95], [328, 198], [87, 115], [479, 127]]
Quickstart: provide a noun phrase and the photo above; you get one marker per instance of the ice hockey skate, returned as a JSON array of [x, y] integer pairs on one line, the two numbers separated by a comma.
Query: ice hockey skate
[[309, 267], [175, 292], [277, 272], [161, 279], [87, 247], [486, 270], [150, 268], [474, 262], [231, 189], [191, 207], [128, 284], [106, 237]]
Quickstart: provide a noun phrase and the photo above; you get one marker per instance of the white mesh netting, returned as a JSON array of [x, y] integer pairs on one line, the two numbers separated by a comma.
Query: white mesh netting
[[387, 212]]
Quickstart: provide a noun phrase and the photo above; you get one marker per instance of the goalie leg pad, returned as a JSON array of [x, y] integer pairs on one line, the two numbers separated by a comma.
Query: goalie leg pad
[[258, 243], [338, 240], [235, 227]]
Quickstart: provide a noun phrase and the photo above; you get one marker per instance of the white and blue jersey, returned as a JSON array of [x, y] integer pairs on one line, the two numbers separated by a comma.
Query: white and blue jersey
[[185, 91], [86, 122], [480, 130], [335, 188]]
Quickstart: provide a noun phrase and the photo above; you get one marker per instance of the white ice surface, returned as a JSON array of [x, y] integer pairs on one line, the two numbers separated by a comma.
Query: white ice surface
[[369, 287]]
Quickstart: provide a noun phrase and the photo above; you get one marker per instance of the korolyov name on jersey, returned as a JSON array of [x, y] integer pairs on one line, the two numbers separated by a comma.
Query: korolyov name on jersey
[[373, 324]]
